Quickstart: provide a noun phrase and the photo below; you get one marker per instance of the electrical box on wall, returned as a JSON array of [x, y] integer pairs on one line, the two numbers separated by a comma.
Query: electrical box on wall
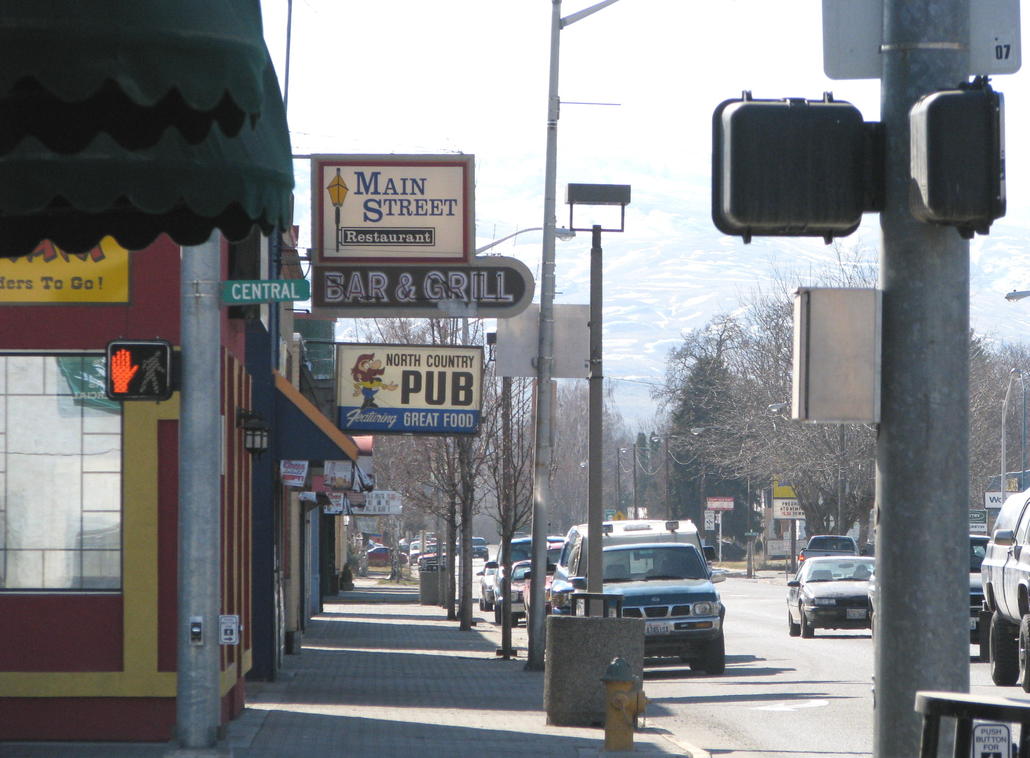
[[836, 373]]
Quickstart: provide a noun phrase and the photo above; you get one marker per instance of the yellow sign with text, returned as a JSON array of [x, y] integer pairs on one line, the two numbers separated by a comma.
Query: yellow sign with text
[[49, 275]]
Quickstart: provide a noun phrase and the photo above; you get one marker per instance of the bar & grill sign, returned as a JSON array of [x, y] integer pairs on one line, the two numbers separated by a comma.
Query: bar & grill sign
[[408, 389]]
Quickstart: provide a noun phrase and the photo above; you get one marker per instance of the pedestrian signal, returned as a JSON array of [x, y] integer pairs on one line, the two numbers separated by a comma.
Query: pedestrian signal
[[139, 370]]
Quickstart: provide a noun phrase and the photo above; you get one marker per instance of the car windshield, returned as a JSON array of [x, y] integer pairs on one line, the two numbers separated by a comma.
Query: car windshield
[[831, 543], [666, 562], [518, 573], [838, 571], [977, 551], [520, 551]]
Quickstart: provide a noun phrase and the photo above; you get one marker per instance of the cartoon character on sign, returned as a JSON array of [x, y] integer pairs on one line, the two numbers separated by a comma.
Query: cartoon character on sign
[[367, 374]]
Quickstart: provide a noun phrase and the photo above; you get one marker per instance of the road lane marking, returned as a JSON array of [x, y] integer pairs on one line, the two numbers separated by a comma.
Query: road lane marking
[[792, 705]]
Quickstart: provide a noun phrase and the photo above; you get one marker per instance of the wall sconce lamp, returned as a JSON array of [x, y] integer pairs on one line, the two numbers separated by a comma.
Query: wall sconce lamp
[[255, 431]]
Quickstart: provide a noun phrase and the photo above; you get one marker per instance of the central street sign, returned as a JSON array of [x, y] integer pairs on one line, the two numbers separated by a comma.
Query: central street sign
[[242, 292]]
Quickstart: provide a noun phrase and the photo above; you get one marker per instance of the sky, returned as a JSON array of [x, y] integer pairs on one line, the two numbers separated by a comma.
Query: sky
[[639, 81]]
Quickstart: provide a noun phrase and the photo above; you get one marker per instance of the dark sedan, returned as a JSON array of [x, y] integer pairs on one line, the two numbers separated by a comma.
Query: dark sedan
[[829, 593]]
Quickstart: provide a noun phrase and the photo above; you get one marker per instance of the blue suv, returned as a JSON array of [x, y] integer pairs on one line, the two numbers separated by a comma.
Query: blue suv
[[670, 586]]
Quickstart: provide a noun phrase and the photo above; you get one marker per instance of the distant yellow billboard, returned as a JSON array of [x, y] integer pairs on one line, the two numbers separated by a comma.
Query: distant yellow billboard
[[783, 491], [49, 275]]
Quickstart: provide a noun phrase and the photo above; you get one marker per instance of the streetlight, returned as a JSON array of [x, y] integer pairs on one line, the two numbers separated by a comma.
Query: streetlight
[[562, 234], [545, 352], [596, 195], [1017, 295]]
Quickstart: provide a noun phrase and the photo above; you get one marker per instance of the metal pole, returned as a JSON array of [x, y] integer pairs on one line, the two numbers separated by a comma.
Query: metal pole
[[545, 356], [1022, 436], [923, 442], [1004, 421], [198, 696], [595, 506], [636, 504], [618, 479], [668, 500], [840, 484], [507, 514], [467, 496]]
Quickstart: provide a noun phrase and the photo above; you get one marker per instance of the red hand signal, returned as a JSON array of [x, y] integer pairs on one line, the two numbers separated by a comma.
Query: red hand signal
[[122, 370]]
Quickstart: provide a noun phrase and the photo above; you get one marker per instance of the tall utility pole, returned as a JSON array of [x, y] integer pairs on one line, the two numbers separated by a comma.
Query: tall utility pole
[[922, 541], [545, 351]]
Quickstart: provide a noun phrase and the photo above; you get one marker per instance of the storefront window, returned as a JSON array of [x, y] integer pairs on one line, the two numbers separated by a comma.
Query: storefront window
[[60, 475]]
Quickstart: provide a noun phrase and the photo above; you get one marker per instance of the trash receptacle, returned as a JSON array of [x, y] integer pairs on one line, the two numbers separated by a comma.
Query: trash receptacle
[[429, 584], [596, 604]]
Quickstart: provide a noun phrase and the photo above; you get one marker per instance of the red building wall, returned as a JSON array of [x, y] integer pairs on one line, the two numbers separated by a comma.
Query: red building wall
[[106, 661]]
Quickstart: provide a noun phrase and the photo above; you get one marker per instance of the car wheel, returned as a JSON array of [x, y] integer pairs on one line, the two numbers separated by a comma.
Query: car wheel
[[1023, 655], [713, 656], [488, 602], [807, 630], [1004, 652], [482, 604], [792, 629], [497, 614]]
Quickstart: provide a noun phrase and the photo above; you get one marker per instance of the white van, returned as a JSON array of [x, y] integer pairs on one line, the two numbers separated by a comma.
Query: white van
[[573, 559]]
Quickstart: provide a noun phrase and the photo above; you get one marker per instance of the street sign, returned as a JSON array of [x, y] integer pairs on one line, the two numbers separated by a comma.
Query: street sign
[[709, 521], [719, 503], [994, 499], [853, 34], [977, 521], [243, 291]]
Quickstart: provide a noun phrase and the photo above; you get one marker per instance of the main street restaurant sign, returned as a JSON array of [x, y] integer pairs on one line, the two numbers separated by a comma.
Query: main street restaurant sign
[[408, 388], [393, 208], [488, 287]]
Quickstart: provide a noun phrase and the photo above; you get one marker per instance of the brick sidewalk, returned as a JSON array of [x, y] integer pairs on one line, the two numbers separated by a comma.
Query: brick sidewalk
[[380, 675]]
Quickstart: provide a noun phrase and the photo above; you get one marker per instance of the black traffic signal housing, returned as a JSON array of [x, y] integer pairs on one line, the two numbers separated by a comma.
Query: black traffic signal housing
[[958, 157], [794, 167], [139, 370]]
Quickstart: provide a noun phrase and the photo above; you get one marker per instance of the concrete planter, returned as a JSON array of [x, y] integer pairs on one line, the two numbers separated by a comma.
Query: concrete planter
[[579, 649]]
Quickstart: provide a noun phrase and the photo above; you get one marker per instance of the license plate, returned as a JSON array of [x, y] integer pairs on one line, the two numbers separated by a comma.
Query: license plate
[[657, 627], [856, 613]]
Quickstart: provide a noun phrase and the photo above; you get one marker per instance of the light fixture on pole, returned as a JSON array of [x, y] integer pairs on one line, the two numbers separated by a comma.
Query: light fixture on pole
[[562, 234], [337, 190], [255, 431], [545, 349], [594, 195]]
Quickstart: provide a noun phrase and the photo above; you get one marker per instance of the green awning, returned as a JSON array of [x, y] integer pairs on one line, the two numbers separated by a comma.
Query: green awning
[[185, 190], [72, 68]]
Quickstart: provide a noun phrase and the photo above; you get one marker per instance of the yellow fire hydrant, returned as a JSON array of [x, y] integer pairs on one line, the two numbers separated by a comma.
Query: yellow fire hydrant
[[623, 701]]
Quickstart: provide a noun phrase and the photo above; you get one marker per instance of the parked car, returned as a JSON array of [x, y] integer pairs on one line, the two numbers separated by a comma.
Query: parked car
[[672, 588], [1005, 573], [830, 593], [519, 571], [572, 560], [487, 585], [479, 548], [977, 618], [378, 555], [979, 621], [828, 544]]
